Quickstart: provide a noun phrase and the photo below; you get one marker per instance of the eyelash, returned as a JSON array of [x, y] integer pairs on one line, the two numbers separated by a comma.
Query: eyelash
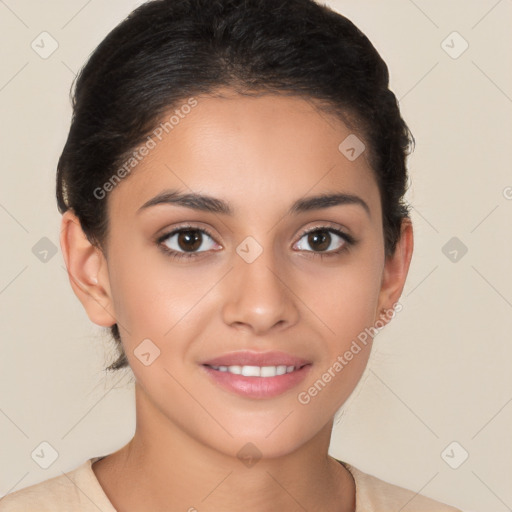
[[349, 241]]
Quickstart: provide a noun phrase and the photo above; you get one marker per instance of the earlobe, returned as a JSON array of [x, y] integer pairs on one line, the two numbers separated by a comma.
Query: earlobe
[[87, 271], [395, 271]]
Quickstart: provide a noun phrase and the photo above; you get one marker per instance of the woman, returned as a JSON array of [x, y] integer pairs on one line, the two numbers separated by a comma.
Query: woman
[[232, 197]]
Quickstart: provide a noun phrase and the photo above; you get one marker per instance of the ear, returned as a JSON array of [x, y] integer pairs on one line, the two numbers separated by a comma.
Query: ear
[[395, 272], [87, 271]]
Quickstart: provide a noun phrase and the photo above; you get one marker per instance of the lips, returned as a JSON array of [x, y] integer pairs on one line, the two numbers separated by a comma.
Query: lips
[[246, 358], [248, 383]]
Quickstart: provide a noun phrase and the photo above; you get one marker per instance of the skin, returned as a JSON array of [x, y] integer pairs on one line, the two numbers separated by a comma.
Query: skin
[[260, 155]]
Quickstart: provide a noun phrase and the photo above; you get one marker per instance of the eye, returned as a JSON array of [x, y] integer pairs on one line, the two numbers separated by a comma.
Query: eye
[[327, 240], [185, 242]]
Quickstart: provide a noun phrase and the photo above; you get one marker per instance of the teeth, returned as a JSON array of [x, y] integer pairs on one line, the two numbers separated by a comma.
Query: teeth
[[256, 371]]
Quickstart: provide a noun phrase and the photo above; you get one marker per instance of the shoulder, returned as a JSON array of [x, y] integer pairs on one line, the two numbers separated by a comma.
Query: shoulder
[[376, 495], [76, 490], [54, 494]]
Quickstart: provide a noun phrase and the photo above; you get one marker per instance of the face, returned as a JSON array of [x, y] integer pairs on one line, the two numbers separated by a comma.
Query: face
[[246, 272]]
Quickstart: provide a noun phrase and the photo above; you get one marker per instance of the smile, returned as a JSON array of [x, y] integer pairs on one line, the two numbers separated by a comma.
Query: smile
[[259, 382], [257, 371]]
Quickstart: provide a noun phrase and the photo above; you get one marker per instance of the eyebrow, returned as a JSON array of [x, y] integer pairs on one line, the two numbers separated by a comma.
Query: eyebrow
[[214, 205]]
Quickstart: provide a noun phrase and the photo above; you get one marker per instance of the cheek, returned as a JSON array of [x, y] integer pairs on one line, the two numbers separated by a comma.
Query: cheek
[[137, 287], [346, 307], [345, 297], [345, 301], [154, 298]]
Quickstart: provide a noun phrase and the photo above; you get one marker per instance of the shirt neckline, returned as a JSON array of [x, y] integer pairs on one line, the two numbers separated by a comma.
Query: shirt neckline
[[107, 506]]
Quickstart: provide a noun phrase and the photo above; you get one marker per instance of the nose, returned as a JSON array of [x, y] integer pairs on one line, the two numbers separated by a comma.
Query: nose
[[257, 296]]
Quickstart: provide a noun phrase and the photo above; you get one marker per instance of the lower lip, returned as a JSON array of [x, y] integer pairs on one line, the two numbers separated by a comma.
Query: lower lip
[[257, 387]]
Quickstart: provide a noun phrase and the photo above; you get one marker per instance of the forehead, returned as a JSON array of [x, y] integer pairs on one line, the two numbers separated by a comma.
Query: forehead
[[255, 152]]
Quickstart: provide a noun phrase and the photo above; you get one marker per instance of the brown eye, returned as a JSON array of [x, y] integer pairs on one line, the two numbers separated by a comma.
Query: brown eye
[[319, 240], [189, 240], [324, 240], [186, 240]]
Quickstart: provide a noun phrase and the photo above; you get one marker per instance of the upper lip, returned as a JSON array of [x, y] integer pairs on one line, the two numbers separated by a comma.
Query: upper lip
[[245, 358]]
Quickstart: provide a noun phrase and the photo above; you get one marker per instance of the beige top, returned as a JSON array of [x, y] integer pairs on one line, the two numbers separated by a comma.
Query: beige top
[[80, 491]]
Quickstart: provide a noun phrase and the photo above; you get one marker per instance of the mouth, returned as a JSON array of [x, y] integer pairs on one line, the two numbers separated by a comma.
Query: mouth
[[257, 381], [257, 371]]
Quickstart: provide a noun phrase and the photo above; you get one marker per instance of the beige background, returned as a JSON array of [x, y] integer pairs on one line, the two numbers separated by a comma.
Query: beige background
[[440, 371]]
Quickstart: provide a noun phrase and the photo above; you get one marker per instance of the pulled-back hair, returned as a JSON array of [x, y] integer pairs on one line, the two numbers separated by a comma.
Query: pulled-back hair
[[167, 51]]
